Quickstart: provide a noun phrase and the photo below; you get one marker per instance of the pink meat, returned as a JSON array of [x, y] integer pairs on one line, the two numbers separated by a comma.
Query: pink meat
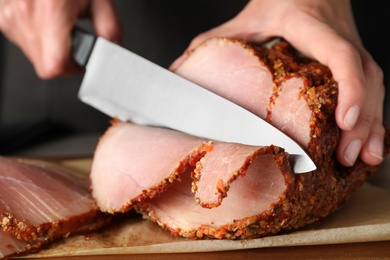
[[40, 203], [135, 182], [10, 245], [256, 191], [227, 162], [230, 69], [132, 163], [290, 111]]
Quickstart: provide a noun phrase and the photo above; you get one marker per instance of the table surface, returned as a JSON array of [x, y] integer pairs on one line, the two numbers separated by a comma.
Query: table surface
[[368, 250]]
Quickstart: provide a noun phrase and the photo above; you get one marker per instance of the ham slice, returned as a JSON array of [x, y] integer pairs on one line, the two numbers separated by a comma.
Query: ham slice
[[11, 245], [213, 163], [41, 203], [254, 175], [204, 189], [221, 65], [124, 172]]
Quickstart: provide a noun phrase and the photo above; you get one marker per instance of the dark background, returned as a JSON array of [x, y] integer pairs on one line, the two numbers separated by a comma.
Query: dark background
[[33, 110]]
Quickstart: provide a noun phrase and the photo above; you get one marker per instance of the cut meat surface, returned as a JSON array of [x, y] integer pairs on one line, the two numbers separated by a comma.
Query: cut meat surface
[[290, 108], [132, 163], [217, 169], [221, 65], [204, 189], [176, 211], [40, 203], [256, 175], [251, 196], [168, 154], [11, 245]]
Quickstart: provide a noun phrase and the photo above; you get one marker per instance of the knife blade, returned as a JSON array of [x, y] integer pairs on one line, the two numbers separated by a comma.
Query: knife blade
[[125, 85]]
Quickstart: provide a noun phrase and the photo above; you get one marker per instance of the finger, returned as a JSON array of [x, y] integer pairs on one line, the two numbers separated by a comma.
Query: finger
[[372, 152], [358, 142], [365, 139], [42, 30], [106, 21], [346, 65], [53, 22], [369, 129], [16, 23]]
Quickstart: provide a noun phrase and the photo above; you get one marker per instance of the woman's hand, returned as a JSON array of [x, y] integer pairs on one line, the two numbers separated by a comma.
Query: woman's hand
[[323, 30], [42, 29]]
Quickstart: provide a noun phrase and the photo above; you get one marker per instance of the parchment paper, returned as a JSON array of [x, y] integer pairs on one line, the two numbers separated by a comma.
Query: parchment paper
[[366, 217]]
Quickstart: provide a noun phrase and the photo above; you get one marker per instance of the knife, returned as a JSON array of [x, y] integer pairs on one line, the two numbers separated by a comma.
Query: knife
[[124, 85]]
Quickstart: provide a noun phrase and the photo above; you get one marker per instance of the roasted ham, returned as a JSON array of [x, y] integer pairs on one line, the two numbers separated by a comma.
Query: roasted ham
[[123, 173], [200, 188], [11, 245], [40, 203], [216, 164]]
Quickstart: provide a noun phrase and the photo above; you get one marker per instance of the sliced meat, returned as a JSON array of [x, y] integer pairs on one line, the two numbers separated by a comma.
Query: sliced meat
[[41, 203], [168, 154], [260, 187], [10, 245], [290, 109], [221, 65], [133, 163], [163, 187], [240, 191], [218, 169]]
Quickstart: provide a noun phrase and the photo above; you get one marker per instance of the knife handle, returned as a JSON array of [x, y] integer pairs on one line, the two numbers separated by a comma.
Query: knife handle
[[82, 45]]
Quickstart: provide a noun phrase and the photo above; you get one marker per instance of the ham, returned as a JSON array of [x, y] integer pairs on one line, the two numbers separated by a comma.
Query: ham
[[11, 245], [164, 185], [206, 189], [40, 203], [124, 173], [169, 155], [221, 65]]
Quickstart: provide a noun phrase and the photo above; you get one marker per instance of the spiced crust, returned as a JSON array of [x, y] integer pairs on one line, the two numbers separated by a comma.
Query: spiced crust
[[316, 194]]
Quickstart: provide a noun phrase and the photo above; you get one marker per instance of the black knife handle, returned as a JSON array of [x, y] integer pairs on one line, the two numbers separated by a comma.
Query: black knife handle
[[82, 45]]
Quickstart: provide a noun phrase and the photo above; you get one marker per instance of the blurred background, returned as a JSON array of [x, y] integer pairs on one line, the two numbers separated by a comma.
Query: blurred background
[[44, 118]]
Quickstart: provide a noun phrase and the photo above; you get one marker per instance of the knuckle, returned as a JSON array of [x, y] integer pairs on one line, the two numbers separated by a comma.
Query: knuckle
[[12, 11], [23, 7], [379, 127], [366, 122], [18, 8], [52, 69], [347, 48], [112, 31], [373, 70], [6, 15]]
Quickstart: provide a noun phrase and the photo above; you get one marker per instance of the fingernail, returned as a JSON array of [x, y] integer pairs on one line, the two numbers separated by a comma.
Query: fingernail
[[352, 152], [375, 147], [351, 117]]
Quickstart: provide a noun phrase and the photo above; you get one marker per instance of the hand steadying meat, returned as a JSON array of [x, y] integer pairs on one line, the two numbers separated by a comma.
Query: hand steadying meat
[[41, 28], [323, 30]]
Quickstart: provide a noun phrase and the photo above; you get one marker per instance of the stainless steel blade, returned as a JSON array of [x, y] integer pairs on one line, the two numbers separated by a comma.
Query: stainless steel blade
[[125, 85]]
